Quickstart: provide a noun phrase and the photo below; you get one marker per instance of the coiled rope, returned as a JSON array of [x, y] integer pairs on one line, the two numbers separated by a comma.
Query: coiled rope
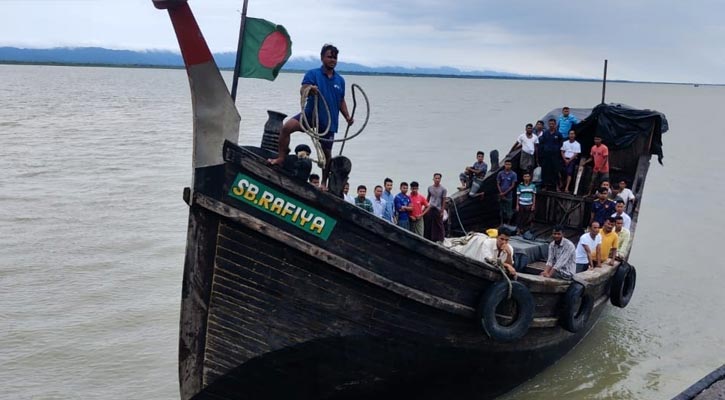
[[311, 130]]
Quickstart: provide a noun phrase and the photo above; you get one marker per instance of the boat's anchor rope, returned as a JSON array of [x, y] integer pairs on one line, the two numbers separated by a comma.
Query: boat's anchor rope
[[311, 130], [499, 264], [458, 217]]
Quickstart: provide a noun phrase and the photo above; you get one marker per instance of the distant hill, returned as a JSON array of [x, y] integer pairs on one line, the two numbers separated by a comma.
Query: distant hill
[[103, 56]]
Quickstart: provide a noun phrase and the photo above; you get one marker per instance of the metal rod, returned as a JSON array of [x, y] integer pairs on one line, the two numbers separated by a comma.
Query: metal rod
[[604, 81], [238, 64]]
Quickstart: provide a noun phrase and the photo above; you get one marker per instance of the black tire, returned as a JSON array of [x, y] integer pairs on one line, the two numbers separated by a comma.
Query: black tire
[[492, 298], [623, 283], [575, 313]]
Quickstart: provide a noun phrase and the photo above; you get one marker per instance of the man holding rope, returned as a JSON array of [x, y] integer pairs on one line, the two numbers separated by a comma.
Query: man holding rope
[[323, 81]]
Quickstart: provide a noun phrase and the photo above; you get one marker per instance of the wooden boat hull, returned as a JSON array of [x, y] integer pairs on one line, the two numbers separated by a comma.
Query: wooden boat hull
[[290, 292], [371, 309]]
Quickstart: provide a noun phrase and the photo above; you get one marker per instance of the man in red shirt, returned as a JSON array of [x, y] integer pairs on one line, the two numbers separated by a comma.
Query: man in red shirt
[[600, 154], [420, 208]]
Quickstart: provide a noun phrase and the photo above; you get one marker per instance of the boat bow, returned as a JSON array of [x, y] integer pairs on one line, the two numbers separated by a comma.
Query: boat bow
[[215, 116]]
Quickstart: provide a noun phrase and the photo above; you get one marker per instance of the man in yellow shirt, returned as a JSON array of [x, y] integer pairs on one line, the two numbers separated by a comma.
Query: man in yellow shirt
[[610, 241]]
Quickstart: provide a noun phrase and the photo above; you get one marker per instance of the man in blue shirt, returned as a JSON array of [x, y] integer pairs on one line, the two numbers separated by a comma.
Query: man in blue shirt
[[403, 206], [566, 121], [323, 81], [550, 146], [602, 207], [389, 200], [506, 182]]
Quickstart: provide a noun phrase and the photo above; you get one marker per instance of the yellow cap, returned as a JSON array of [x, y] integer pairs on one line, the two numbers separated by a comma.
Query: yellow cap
[[493, 232]]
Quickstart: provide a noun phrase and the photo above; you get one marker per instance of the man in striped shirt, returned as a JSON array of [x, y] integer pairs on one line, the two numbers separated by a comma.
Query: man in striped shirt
[[526, 206]]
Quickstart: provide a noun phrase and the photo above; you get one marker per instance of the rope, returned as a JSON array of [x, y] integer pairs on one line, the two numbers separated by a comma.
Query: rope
[[458, 217], [311, 130], [498, 263], [462, 241], [354, 107]]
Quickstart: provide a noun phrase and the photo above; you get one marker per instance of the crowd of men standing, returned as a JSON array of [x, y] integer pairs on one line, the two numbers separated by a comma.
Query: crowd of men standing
[[409, 209]]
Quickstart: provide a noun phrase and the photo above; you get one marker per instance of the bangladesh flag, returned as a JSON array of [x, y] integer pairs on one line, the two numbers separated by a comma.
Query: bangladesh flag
[[265, 49]]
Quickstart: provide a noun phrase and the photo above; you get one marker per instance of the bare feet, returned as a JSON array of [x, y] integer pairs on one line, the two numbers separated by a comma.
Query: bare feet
[[275, 161]]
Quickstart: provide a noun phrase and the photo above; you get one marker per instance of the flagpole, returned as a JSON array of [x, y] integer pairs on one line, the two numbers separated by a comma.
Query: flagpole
[[604, 80], [238, 64]]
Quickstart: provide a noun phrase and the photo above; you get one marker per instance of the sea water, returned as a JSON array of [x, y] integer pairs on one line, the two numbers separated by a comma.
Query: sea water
[[93, 227]]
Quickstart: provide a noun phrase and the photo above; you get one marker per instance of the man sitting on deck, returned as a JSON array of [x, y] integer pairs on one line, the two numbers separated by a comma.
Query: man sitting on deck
[[479, 246], [477, 170], [561, 263], [588, 249], [623, 238], [610, 241], [501, 250]]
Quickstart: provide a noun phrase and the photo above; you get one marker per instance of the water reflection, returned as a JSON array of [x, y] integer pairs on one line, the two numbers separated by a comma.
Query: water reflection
[[600, 366]]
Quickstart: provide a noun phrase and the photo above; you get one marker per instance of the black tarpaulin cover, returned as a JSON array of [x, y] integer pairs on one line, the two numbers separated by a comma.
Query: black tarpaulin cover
[[618, 125]]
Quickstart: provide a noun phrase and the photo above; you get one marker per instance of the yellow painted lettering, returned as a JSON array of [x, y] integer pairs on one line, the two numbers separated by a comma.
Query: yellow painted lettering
[[305, 217], [277, 206], [265, 199], [240, 188], [288, 209], [318, 224], [296, 214], [251, 192]]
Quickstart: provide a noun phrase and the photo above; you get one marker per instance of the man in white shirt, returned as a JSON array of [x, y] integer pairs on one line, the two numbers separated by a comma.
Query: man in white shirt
[[589, 248], [619, 212], [626, 194], [528, 143], [570, 151], [500, 249], [378, 202]]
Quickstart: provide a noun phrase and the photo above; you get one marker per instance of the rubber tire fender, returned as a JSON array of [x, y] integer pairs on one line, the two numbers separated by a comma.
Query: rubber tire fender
[[492, 297], [574, 318], [622, 285]]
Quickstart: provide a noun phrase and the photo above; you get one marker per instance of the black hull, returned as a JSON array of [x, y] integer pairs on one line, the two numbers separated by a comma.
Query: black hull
[[372, 309], [373, 366]]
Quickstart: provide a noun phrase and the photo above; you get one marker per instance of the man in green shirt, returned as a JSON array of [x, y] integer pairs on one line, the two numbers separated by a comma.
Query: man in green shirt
[[361, 201]]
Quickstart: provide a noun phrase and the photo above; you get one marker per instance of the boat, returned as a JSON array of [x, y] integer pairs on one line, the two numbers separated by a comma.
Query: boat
[[290, 292], [711, 386]]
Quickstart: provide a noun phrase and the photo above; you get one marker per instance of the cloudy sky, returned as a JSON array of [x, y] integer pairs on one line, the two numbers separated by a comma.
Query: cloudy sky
[[663, 40]]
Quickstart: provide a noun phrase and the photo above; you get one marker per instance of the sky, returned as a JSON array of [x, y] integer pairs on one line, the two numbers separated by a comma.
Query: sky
[[644, 40]]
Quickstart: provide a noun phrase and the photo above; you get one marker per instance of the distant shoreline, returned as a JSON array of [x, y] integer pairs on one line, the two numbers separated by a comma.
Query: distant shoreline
[[363, 73]]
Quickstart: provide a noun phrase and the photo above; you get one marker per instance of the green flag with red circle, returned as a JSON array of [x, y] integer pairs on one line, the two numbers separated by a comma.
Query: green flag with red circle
[[265, 49]]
